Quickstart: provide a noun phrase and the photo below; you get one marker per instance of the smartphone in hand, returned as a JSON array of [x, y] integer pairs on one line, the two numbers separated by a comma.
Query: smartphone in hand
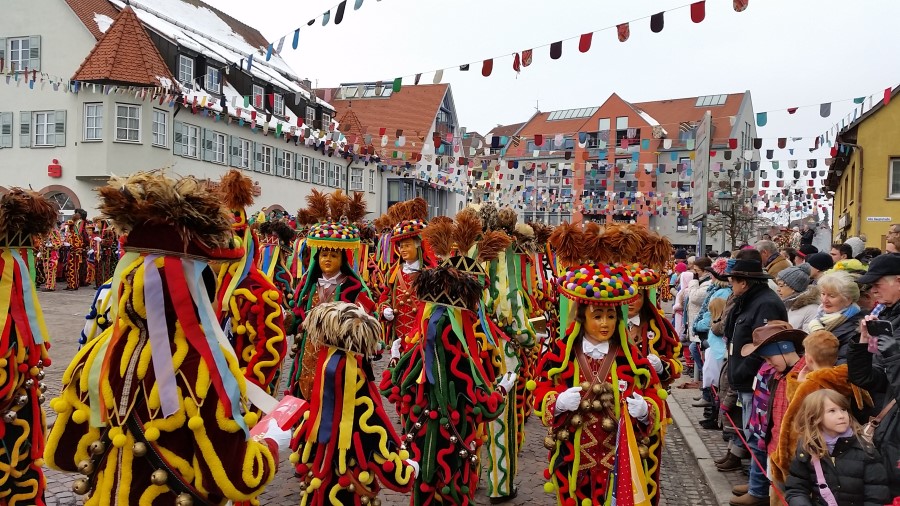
[[878, 328]]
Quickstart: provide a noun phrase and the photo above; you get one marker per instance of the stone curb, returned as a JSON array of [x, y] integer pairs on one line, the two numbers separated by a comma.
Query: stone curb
[[717, 483]]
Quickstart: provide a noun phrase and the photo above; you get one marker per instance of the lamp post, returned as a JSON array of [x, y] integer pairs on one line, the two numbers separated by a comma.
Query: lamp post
[[726, 204]]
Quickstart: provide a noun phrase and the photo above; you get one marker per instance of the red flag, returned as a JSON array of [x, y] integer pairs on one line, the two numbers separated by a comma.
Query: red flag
[[624, 32], [698, 11], [517, 64], [526, 57], [584, 44], [887, 96]]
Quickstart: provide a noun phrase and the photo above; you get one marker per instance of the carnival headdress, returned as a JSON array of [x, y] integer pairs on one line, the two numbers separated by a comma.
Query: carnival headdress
[[336, 215], [23, 216], [345, 326]]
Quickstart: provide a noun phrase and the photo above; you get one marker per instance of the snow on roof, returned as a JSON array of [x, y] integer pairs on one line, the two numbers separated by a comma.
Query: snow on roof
[[649, 119], [212, 37], [103, 21]]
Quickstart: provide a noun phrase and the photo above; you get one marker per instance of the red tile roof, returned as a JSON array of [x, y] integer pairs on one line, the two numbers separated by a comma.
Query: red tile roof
[[412, 110], [87, 9], [539, 124], [506, 130], [670, 113], [124, 54]]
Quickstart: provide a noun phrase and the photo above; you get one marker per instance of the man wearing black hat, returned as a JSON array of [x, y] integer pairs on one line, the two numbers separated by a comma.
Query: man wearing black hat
[[874, 365], [819, 263], [755, 304]]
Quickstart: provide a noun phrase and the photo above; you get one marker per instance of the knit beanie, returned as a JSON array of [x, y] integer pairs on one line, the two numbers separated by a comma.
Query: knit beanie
[[808, 249], [796, 278], [857, 245], [820, 261], [681, 254]]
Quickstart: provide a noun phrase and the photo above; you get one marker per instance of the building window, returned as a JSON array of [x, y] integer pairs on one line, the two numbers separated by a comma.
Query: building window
[[287, 164], [186, 70], [266, 153], [128, 123], [244, 153], [310, 116], [93, 122], [356, 179], [44, 129], [326, 121], [332, 175], [278, 108], [372, 180], [603, 124], [191, 141], [213, 80], [160, 128], [622, 123], [218, 147], [303, 169], [20, 53], [258, 94], [895, 177], [320, 172]]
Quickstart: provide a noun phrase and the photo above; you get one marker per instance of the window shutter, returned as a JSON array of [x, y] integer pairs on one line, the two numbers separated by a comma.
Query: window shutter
[[34, 45], [257, 157], [6, 129], [208, 148], [24, 129], [178, 139], [276, 162], [60, 119], [298, 160], [3, 53], [235, 145]]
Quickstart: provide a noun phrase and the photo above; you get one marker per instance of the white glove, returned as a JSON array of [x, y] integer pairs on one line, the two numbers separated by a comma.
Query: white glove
[[508, 382], [395, 348], [388, 314], [655, 362], [415, 466], [637, 407], [568, 400], [281, 437]]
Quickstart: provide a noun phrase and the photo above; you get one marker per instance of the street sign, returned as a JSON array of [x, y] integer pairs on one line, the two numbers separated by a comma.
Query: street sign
[[878, 218], [700, 178]]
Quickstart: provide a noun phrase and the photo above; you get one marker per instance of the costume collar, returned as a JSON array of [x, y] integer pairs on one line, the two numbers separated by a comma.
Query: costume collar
[[329, 282], [410, 267], [595, 351]]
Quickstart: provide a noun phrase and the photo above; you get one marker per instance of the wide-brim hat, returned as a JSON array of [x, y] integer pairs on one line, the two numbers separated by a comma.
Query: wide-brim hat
[[719, 268], [598, 285], [333, 234], [408, 229], [772, 332], [644, 278], [748, 269]]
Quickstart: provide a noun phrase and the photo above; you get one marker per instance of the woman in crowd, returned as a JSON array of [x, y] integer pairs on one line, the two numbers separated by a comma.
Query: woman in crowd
[[800, 297], [839, 312]]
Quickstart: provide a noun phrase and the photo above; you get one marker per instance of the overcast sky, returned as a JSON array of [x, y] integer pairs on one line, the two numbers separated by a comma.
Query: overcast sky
[[787, 53]]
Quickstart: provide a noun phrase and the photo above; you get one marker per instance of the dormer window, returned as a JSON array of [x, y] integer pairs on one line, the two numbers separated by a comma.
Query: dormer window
[[213, 80], [186, 70], [258, 95], [278, 108]]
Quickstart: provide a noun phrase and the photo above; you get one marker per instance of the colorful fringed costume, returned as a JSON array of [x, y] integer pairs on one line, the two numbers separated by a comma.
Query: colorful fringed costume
[[347, 447], [50, 258], [97, 319], [444, 386], [655, 333], [277, 239], [153, 410], [108, 256], [23, 349], [598, 451], [339, 282], [77, 239]]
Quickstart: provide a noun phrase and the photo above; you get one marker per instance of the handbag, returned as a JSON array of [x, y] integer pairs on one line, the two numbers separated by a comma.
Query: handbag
[[868, 430]]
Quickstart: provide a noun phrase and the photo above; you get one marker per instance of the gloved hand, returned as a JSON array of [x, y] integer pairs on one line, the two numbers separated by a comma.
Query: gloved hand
[[388, 314], [637, 407], [280, 436], [655, 362], [415, 466], [508, 382], [568, 400], [395, 348]]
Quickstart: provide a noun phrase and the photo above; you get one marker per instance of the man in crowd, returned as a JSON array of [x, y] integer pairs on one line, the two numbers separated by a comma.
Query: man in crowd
[[771, 258], [841, 251]]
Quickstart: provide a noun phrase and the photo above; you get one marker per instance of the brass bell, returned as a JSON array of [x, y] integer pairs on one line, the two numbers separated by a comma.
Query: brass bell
[[81, 486], [608, 424], [453, 439], [29, 383], [10, 416], [22, 400], [184, 499], [97, 448], [376, 502], [410, 437], [585, 385], [473, 459], [577, 421], [463, 453], [596, 405], [42, 387], [41, 399], [597, 388], [607, 397], [139, 449], [585, 405], [645, 441], [85, 467], [159, 477], [549, 443], [351, 488], [417, 425], [40, 375], [562, 435], [364, 500], [643, 451]]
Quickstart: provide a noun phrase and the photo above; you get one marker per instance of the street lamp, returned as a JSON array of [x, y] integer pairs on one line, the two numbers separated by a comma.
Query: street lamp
[[726, 204]]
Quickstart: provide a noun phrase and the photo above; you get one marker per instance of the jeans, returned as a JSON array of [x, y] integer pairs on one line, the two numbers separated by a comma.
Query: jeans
[[696, 356], [759, 483]]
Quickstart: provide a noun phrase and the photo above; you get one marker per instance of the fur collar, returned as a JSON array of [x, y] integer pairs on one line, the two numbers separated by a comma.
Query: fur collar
[[807, 298]]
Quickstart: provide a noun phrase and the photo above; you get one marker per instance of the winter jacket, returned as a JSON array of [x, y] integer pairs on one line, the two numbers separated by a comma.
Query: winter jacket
[[753, 309], [695, 302], [803, 307], [855, 477], [870, 371], [718, 327], [777, 264]]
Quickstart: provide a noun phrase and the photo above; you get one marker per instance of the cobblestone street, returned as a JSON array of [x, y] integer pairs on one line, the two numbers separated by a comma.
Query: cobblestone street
[[682, 481]]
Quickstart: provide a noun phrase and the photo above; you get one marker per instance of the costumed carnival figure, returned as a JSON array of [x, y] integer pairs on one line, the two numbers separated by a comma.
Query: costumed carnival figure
[[24, 344], [398, 305], [331, 276], [50, 258], [251, 305], [77, 239], [108, 254], [154, 410], [598, 396], [347, 447], [276, 243], [505, 304], [445, 385]]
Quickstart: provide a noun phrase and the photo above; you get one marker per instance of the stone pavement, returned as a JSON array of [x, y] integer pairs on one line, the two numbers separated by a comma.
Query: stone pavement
[[683, 483]]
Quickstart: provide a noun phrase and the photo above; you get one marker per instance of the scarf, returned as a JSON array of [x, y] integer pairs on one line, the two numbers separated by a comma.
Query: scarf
[[832, 321], [830, 442]]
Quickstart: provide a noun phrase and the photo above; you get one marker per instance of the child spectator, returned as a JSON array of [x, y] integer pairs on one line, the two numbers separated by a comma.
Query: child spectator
[[832, 465]]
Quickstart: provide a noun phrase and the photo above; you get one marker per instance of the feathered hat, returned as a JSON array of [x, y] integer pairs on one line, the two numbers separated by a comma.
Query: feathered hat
[[344, 326], [336, 216], [24, 215], [179, 216], [410, 219]]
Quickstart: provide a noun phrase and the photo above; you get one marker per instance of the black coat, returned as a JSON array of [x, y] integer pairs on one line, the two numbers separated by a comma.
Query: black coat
[[752, 309], [881, 377], [847, 333], [855, 477]]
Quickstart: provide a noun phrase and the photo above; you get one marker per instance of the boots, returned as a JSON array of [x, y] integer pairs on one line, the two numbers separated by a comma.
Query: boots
[[732, 463], [749, 500], [722, 459], [740, 490]]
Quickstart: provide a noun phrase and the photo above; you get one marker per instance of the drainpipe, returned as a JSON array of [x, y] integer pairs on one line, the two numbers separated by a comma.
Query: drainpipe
[[858, 196]]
